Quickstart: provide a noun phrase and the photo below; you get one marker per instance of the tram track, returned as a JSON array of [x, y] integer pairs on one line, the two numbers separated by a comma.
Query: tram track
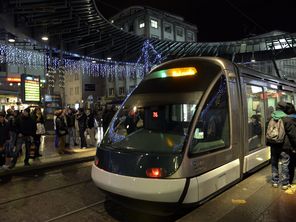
[[46, 191], [76, 211]]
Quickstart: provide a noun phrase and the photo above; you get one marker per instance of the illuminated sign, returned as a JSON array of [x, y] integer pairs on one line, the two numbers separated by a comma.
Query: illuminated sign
[[13, 79], [31, 88], [174, 72]]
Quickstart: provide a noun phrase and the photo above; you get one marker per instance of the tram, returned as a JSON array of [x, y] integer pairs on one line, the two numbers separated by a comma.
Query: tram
[[191, 128]]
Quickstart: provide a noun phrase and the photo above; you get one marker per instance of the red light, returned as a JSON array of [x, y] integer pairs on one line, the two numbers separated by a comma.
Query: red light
[[155, 172], [155, 114]]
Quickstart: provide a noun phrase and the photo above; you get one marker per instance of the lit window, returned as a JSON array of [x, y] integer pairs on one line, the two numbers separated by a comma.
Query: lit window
[[154, 23], [141, 25]]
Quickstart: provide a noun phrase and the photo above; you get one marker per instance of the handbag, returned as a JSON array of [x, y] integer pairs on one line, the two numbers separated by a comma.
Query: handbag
[[40, 129]]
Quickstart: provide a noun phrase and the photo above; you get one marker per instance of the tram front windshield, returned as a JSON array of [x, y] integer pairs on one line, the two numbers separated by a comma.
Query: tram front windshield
[[156, 117]]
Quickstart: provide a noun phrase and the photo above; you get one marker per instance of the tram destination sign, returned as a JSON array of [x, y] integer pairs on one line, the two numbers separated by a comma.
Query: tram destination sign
[[30, 88]]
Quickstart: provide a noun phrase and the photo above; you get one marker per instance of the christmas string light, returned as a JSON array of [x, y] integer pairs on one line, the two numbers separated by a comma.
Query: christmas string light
[[13, 55], [85, 65], [145, 56]]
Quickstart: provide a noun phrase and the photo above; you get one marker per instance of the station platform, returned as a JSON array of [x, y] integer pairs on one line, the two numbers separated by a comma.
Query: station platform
[[50, 157], [253, 199]]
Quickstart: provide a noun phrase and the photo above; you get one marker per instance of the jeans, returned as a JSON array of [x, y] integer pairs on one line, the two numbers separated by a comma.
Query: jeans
[[82, 137], [71, 136], [276, 155], [91, 132], [37, 143], [12, 143], [56, 139]]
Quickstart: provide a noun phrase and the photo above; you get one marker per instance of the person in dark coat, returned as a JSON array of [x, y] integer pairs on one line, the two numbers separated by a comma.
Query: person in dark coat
[[62, 131], [4, 138], [38, 118], [70, 119], [282, 151], [81, 118], [290, 141], [11, 118], [90, 127], [26, 129]]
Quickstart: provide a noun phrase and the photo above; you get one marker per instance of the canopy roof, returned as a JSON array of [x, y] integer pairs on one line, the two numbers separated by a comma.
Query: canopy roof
[[78, 26]]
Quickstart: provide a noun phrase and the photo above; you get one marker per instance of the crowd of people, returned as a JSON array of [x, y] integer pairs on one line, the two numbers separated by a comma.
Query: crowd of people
[[72, 128], [69, 125], [18, 128]]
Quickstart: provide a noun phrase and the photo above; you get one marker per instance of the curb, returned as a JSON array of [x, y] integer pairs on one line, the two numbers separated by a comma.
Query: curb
[[44, 166]]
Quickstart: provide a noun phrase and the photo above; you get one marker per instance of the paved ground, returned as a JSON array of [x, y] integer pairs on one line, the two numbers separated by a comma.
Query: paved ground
[[251, 200]]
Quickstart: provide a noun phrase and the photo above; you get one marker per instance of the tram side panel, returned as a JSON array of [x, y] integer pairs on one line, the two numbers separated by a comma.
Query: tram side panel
[[219, 167]]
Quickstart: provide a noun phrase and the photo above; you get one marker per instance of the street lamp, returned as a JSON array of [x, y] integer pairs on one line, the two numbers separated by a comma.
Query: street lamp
[[44, 38]]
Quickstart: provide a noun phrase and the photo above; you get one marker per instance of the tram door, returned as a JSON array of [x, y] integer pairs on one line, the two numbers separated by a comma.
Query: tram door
[[255, 150]]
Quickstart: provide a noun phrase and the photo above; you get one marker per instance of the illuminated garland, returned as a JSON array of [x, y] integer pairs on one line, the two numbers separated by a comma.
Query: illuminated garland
[[13, 55], [145, 56], [85, 65]]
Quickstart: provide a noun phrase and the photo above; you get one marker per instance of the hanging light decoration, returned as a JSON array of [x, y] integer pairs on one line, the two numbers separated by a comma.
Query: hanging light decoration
[[85, 65], [50, 77], [146, 57]]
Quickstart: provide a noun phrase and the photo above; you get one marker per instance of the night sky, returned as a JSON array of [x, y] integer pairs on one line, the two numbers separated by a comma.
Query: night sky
[[221, 20]]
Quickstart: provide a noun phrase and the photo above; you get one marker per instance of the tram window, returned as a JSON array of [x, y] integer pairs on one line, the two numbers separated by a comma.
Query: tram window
[[286, 97], [255, 105], [212, 129], [272, 99]]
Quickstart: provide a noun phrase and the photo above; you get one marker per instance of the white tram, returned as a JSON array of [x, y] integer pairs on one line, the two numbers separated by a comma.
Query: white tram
[[191, 128]]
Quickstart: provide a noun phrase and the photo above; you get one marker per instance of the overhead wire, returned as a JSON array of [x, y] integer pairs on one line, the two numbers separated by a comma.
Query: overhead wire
[[245, 15]]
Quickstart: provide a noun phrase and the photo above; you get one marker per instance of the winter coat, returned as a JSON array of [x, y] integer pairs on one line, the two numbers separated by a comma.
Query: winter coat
[[82, 121], [289, 143], [70, 120], [11, 122], [61, 126], [26, 126], [290, 129], [90, 121], [4, 133]]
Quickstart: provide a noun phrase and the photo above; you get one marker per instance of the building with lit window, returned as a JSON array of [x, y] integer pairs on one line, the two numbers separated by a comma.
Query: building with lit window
[[154, 23]]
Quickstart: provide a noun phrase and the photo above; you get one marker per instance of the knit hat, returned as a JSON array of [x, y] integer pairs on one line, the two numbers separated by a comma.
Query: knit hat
[[281, 106]]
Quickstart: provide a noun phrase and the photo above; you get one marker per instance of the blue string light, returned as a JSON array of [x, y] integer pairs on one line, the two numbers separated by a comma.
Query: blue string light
[[85, 65], [145, 56]]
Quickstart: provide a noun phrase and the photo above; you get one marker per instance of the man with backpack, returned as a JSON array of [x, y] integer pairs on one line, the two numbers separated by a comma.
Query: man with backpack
[[290, 144], [281, 137]]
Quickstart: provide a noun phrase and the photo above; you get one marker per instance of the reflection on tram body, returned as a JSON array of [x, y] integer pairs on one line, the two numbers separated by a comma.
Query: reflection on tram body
[[192, 127]]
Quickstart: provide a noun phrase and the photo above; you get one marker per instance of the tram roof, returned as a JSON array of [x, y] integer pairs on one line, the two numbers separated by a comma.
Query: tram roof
[[79, 27]]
